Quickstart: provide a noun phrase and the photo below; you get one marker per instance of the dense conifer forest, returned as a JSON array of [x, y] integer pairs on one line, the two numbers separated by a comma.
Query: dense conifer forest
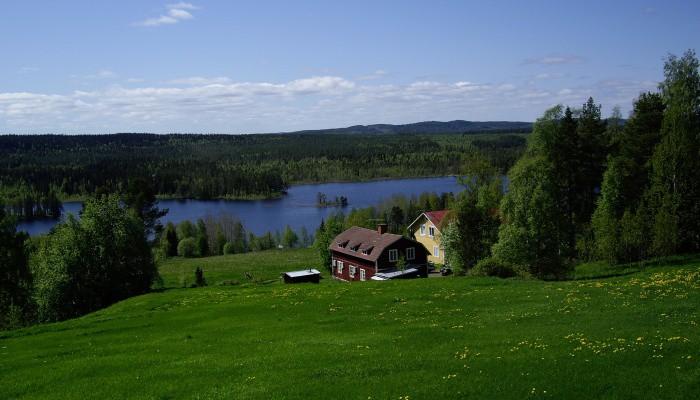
[[36, 169]]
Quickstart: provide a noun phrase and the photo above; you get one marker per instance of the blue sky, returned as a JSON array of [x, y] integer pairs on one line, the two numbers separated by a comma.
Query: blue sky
[[264, 66]]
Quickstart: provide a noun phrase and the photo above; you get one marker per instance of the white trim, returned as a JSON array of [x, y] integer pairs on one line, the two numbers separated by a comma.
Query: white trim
[[340, 267], [395, 254], [422, 229], [436, 251], [352, 271], [431, 231], [416, 220], [363, 275], [410, 255]]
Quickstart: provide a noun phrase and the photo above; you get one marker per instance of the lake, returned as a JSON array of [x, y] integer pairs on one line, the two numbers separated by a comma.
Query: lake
[[296, 209]]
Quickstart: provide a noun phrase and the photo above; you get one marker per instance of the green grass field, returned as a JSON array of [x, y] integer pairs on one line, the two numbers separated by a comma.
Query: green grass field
[[631, 336]]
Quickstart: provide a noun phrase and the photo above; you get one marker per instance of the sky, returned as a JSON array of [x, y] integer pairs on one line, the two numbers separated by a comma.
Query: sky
[[270, 66]]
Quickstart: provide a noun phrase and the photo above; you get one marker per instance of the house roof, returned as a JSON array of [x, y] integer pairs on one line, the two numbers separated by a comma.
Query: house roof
[[385, 276], [304, 272], [436, 217], [357, 239]]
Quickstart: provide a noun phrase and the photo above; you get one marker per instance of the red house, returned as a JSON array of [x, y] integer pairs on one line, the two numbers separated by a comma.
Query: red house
[[359, 253]]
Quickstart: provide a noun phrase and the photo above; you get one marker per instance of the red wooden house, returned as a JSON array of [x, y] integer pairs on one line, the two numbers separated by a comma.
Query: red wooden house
[[359, 253]]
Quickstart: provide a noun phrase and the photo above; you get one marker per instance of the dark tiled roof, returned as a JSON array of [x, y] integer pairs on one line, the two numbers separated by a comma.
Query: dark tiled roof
[[356, 239]]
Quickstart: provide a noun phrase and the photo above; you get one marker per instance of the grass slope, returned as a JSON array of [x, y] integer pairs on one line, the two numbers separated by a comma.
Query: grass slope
[[632, 336], [263, 267]]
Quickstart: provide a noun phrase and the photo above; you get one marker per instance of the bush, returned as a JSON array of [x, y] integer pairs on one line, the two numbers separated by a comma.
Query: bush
[[493, 266], [187, 247], [199, 280], [229, 248]]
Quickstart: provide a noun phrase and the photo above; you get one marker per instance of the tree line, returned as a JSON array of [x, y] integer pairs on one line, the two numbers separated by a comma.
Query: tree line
[[588, 188], [223, 234], [35, 170]]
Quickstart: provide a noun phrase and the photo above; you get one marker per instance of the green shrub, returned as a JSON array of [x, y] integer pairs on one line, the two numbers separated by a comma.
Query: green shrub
[[229, 248], [199, 280], [187, 247], [493, 266]]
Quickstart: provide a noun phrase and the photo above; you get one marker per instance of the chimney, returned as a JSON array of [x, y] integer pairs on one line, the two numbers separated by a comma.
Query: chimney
[[382, 228]]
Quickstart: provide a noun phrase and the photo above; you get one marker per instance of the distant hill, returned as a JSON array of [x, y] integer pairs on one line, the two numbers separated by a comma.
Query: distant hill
[[457, 126]]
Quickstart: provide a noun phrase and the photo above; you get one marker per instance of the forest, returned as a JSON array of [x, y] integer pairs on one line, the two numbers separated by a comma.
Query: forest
[[36, 170]]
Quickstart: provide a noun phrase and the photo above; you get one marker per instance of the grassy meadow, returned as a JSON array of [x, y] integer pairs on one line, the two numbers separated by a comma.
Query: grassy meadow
[[633, 334]]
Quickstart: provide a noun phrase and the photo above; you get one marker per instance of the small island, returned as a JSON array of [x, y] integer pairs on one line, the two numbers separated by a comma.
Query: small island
[[323, 201]]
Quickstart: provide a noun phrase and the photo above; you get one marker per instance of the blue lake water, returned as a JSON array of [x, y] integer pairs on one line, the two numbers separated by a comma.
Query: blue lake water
[[296, 209]]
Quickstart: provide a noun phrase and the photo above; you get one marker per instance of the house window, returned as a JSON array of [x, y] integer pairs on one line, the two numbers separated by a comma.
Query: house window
[[333, 264], [410, 253], [422, 230], [432, 231], [352, 271], [362, 274], [340, 267], [436, 251], [393, 255]]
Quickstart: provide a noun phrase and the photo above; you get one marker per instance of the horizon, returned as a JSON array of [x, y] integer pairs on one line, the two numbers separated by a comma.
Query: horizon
[[215, 67]]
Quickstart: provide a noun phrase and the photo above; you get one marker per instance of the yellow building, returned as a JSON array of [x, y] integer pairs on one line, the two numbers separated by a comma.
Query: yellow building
[[426, 230]]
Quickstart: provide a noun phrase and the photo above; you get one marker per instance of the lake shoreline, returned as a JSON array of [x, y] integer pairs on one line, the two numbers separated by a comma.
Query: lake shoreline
[[276, 196], [298, 208]]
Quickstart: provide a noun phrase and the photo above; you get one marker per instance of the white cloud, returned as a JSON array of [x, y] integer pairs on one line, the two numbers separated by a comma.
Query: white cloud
[[378, 74], [101, 74], [175, 13], [220, 104], [183, 6], [555, 59], [199, 80]]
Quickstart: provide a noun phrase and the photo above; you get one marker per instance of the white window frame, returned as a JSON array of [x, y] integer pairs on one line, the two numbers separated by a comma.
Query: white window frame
[[340, 267], [333, 264], [393, 255], [431, 231], [410, 253], [436, 251], [352, 270], [422, 230], [363, 275]]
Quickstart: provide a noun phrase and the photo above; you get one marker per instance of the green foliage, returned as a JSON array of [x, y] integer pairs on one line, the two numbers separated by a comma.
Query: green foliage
[[492, 266], [188, 248], [326, 232], [229, 248], [199, 280], [290, 238], [140, 196], [26, 202], [91, 263], [202, 239], [185, 229], [15, 277], [401, 263], [675, 165], [624, 182], [169, 240]]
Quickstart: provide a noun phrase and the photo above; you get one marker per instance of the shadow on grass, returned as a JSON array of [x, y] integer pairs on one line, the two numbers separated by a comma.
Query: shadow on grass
[[601, 270]]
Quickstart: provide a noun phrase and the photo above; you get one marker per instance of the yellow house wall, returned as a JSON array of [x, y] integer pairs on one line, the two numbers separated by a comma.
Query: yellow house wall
[[429, 241]]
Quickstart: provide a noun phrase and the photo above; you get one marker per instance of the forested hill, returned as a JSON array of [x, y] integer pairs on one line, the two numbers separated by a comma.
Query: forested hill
[[33, 168], [431, 127]]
